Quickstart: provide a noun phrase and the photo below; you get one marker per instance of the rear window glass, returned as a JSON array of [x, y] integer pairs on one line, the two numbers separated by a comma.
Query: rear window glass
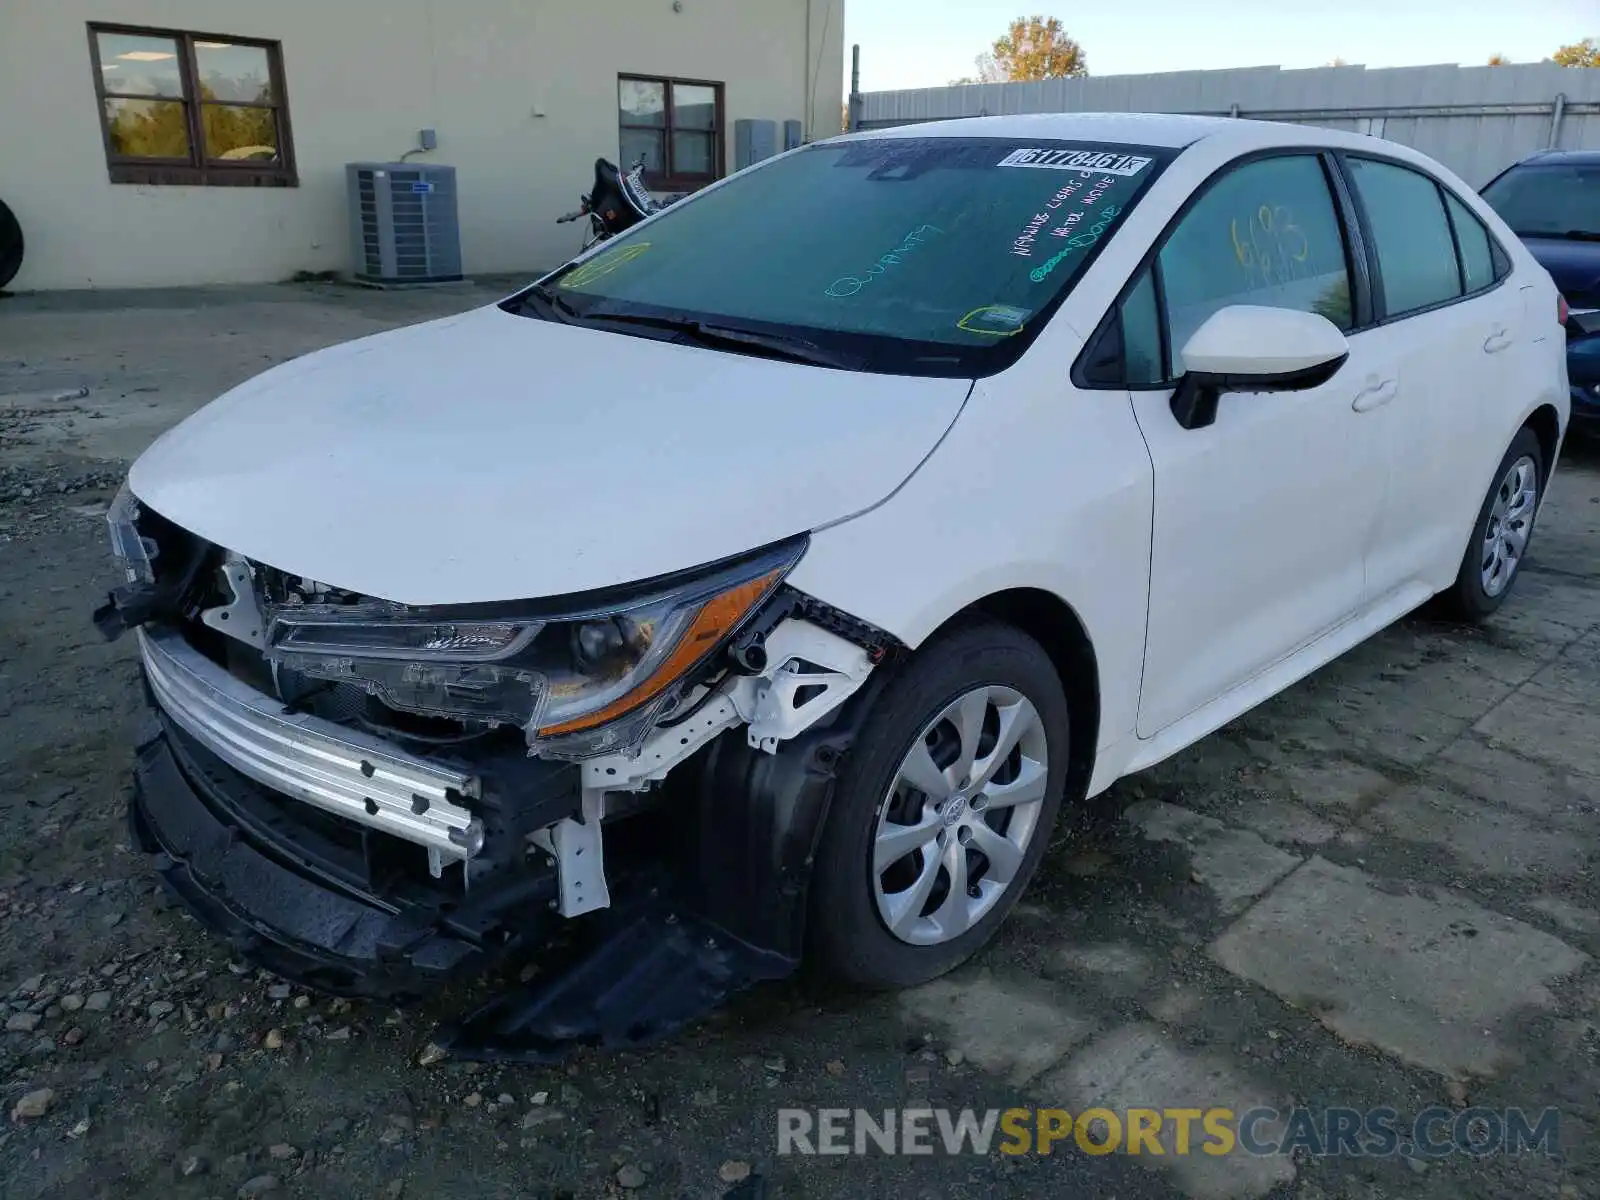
[[911, 255], [1416, 254]]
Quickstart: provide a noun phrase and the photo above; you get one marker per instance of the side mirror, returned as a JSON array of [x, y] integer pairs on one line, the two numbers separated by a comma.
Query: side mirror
[[1249, 348]]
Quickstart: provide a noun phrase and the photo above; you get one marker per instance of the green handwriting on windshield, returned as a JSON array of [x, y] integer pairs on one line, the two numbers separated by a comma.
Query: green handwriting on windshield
[[1078, 241], [849, 285]]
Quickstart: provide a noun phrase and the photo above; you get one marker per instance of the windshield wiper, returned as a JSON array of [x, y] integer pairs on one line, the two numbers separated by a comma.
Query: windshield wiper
[[1569, 235], [790, 349], [552, 300]]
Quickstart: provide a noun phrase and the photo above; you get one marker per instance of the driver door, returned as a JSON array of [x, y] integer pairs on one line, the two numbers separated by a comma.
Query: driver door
[[1262, 518]]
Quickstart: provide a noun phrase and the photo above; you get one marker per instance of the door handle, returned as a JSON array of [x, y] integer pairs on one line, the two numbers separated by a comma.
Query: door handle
[[1376, 394], [1497, 341]]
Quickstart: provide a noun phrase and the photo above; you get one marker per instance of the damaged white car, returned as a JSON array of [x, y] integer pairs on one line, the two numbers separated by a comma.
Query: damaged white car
[[761, 584]]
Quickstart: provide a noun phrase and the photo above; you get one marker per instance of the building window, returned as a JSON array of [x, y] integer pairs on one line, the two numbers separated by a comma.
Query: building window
[[191, 108], [676, 124]]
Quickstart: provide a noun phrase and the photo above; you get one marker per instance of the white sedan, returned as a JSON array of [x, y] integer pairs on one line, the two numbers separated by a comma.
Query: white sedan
[[845, 520]]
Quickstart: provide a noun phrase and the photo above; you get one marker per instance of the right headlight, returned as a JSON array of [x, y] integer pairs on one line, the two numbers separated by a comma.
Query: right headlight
[[580, 682]]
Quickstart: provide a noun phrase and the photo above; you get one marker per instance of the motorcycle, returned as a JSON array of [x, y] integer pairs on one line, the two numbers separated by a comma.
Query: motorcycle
[[617, 201]]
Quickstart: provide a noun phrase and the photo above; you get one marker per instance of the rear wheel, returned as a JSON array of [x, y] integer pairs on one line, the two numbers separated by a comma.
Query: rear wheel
[[942, 810], [1499, 543]]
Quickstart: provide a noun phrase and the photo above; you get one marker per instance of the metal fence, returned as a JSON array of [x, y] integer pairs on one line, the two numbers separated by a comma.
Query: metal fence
[[1475, 120]]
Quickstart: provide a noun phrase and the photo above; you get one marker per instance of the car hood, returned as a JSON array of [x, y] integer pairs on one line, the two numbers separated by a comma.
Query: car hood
[[491, 456], [1574, 265]]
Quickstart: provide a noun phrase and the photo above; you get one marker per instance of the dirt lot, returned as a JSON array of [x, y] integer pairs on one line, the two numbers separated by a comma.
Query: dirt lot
[[1378, 889]]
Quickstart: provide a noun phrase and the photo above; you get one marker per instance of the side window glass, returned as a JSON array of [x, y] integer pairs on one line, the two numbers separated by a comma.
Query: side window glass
[[1416, 258], [1265, 233], [1472, 239], [1141, 334]]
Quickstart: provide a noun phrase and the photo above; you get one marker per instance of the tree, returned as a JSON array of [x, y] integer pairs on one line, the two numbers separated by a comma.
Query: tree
[[1580, 54], [149, 128], [1038, 48], [988, 72], [1499, 60], [1337, 61]]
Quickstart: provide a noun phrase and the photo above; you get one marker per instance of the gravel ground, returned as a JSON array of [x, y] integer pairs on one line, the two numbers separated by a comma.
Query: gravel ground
[[1377, 889]]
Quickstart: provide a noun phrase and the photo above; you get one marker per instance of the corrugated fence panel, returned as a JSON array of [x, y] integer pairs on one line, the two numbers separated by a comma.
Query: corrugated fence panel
[[1475, 120]]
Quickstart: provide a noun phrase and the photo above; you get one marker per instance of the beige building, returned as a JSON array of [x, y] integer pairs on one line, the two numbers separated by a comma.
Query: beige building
[[160, 142]]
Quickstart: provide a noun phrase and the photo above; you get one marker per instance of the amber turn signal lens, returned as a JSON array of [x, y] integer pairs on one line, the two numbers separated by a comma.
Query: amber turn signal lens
[[716, 619]]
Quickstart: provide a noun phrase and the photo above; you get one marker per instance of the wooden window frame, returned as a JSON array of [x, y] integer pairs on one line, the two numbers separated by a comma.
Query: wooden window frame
[[197, 170], [671, 179]]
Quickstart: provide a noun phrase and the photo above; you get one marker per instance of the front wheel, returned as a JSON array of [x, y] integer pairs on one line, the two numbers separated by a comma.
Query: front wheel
[[942, 809], [1500, 538]]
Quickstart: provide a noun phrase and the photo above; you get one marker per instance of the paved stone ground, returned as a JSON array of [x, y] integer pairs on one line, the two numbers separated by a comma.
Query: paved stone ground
[[1375, 890]]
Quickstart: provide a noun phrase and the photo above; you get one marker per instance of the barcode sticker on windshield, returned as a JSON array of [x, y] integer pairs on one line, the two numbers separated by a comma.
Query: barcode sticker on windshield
[[1104, 161]]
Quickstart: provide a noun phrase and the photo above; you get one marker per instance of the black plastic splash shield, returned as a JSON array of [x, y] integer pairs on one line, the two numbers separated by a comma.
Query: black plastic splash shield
[[727, 911], [653, 971]]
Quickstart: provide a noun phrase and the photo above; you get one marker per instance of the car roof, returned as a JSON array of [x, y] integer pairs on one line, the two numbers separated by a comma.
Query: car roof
[[1166, 130], [1150, 129], [1557, 157]]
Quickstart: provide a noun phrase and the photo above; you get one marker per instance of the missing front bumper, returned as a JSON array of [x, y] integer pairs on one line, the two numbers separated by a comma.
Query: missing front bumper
[[710, 896], [286, 911], [632, 974]]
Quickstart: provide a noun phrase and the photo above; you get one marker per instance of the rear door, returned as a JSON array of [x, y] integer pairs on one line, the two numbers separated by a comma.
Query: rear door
[[1453, 337]]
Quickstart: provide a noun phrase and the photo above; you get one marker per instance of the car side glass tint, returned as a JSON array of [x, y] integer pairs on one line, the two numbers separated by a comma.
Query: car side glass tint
[[1141, 334], [1472, 239], [1265, 233], [1416, 257]]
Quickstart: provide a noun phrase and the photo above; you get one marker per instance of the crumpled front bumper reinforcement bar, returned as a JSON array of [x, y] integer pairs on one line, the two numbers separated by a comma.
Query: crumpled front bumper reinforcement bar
[[343, 771]]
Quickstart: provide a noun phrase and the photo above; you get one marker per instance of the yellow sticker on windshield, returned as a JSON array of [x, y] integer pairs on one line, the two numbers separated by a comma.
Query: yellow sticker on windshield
[[603, 264], [995, 320]]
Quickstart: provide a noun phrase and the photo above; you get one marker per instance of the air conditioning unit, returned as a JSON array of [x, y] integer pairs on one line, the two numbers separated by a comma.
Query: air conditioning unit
[[403, 224]]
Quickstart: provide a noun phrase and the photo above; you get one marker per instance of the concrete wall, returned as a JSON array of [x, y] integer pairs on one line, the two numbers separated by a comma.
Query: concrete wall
[[1475, 120], [362, 77]]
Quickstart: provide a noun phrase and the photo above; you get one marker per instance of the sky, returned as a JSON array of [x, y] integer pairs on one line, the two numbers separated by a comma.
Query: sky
[[927, 43]]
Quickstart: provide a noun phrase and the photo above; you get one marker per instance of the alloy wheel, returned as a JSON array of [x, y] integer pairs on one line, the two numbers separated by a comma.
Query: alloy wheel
[[957, 821], [1505, 537]]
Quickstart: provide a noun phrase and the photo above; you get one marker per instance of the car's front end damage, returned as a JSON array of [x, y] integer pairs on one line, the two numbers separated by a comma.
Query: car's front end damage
[[623, 787]]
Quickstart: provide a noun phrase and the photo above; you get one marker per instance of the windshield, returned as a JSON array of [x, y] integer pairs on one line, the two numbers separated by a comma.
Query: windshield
[[1554, 200], [922, 256]]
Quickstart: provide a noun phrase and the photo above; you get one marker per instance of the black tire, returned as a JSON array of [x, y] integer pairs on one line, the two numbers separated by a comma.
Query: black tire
[[1467, 599], [10, 245], [847, 938]]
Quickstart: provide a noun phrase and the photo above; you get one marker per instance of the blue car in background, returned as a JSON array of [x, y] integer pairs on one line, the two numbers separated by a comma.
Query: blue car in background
[[1552, 202]]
